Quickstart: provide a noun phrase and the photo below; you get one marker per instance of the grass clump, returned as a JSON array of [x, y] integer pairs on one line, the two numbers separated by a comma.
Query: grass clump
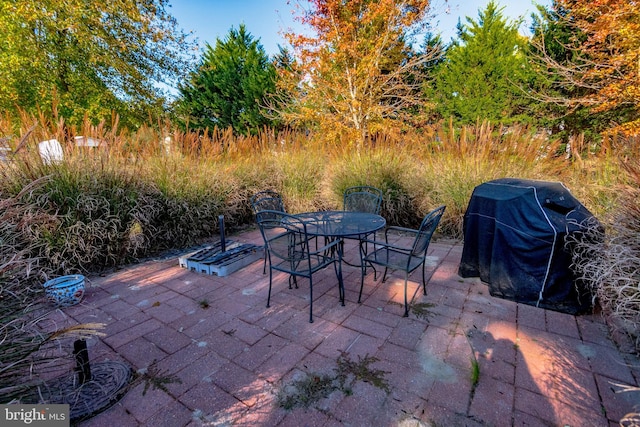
[[32, 348], [475, 372], [422, 310], [609, 263], [306, 391], [312, 387], [155, 378], [349, 371], [383, 167]]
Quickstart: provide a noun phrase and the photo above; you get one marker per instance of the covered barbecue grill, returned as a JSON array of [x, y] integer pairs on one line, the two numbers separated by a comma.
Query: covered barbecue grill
[[514, 240]]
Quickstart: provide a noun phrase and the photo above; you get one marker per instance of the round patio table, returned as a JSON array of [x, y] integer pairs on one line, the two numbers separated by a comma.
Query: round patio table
[[338, 224]]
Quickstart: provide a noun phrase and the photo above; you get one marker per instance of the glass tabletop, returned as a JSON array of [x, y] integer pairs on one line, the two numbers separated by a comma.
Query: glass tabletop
[[341, 223]]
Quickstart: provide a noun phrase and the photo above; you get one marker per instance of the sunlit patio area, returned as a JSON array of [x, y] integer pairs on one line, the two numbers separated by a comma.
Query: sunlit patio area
[[215, 355]]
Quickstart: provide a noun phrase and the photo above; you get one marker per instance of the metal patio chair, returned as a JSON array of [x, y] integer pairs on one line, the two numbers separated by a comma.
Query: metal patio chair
[[263, 201], [289, 251], [405, 258], [362, 198], [267, 200]]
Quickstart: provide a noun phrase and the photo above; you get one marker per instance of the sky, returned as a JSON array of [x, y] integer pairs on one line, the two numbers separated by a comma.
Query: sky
[[266, 20]]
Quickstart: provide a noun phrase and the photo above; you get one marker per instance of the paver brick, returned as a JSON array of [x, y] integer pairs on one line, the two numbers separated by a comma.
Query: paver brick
[[143, 407], [232, 357], [248, 333], [261, 351], [452, 393], [407, 334], [116, 415], [239, 382], [207, 400], [163, 312], [200, 368], [141, 353], [339, 340], [168, 339], [283, 361], [175, 414], [224, 344], [534, 404], [606, 361], [397, 354], [132, 333], [368, 327], [616, 402], [492, 402]]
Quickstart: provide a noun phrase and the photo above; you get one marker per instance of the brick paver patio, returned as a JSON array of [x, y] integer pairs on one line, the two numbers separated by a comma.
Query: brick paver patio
[[233, 355]]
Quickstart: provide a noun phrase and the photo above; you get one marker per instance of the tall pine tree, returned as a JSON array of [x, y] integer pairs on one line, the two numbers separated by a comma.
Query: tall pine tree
[[484, 72], [229, 87]]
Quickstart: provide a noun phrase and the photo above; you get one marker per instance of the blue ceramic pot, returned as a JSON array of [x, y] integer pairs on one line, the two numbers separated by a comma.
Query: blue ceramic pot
[[65, 290]]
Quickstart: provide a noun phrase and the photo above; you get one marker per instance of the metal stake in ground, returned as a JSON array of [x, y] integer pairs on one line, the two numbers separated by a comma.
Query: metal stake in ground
[[223, 243], [82, 361]]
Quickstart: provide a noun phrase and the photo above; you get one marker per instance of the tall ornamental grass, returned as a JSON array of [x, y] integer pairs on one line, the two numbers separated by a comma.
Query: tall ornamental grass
[[35, 340], [609, 262], [157, 189]]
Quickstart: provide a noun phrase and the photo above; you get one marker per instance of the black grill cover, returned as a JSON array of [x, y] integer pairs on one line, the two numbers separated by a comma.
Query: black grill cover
[[514, 240]]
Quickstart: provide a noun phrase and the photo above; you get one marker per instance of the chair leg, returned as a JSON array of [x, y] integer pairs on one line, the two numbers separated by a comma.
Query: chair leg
[[375, 272], [310, 298], [384, 276], [406, 305], [363, 271], [424, 282], [337, 266], [269, 294], [362, 249], [264, 266]]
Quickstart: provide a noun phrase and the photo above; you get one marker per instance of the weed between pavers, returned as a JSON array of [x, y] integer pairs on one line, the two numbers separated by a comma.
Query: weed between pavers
[[421, 310], [308, 390], [154, 377]]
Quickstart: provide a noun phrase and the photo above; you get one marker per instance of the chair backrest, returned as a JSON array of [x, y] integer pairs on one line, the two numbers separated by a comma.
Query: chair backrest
[[363, 198], [426, 230], [267, 200], [284, 235]]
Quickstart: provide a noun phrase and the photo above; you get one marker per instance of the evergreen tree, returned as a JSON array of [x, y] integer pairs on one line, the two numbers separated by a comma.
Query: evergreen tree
[[230, 86], [484, 72], [433, 43]]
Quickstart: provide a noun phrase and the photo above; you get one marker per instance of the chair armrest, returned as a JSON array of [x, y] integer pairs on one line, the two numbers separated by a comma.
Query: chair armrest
[[326, 247], [380, 244], [400, 229]]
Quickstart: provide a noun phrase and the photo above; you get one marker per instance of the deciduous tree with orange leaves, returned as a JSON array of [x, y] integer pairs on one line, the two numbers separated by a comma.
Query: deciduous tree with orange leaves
[[355, 72], [607, 58]]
